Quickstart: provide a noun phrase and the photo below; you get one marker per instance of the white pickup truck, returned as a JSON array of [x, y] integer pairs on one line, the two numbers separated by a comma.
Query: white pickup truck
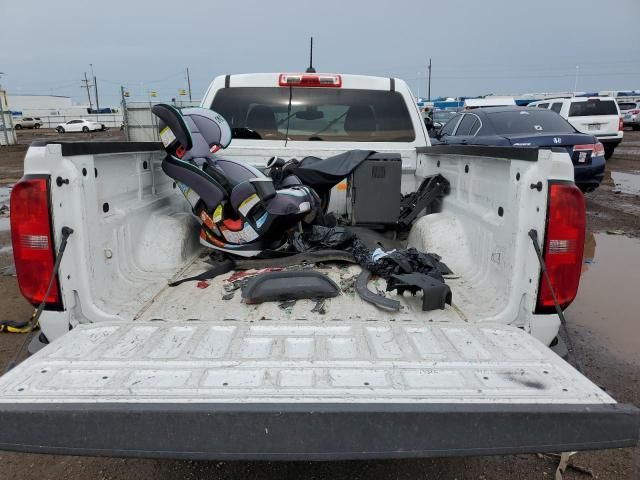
[[133, 367]]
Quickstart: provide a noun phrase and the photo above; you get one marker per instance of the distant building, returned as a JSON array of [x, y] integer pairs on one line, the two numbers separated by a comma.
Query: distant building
[[40, 105]]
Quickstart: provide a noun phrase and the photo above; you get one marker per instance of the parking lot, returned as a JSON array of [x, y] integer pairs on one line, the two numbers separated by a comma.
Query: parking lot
[[602, 324]]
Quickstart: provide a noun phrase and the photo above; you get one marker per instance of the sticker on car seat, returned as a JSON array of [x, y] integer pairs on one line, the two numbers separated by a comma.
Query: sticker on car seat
[[247, 234], [167, 136], [245, 207], [192, 197], [217, 214]]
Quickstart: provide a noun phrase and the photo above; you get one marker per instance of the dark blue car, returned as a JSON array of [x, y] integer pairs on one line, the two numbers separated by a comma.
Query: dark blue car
[[522, 126]]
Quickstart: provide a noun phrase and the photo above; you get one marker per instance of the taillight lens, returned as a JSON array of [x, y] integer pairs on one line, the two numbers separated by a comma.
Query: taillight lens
[[634, 112], [33, 248], [586, 147], [598, 149], [564, 245], [594, 148], [620, 124]]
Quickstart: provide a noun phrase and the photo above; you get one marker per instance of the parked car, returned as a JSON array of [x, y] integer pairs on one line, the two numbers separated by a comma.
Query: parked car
[[630, 112], [523, 126], [597, 116], [440, 117], [79, 125], [128, 359], [27, 122]]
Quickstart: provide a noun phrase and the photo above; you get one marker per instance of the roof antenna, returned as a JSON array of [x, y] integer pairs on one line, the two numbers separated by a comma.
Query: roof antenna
[[310, 68]]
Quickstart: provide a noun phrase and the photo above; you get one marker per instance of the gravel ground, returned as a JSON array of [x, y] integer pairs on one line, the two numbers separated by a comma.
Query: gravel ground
[[599, 334]]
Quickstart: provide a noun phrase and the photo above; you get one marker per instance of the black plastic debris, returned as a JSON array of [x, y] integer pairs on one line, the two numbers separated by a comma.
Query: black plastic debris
[[435, 293], [291, 285], [318, 237], [320, 307], [373, 261], [428, 197], [371, 297], [400, 261]]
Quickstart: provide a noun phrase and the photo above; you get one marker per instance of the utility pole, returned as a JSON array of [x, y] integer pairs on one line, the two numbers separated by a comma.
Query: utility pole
[[2, 117], [189, 83], [429, 83], [575, 83], [86, 85], [125, 114], [95, 86]]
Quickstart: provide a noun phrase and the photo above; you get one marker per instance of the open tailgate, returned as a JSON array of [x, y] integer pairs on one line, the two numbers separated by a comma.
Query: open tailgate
[[309, 390]]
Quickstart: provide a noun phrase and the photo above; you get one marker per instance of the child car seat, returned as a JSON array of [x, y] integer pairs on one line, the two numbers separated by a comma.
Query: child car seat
[[239, 209]]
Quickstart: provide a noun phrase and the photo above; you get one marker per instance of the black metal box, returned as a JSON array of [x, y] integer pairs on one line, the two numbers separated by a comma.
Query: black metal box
[[373, 191]]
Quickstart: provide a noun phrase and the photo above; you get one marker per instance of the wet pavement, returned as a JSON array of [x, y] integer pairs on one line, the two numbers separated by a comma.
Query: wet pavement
[[608, 300], [626, 182]]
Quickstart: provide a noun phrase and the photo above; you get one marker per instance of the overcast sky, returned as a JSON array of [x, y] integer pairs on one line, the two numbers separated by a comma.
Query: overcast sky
[[477, 46]]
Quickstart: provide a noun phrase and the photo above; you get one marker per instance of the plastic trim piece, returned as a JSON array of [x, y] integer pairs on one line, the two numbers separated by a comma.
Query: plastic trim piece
[[435, 294], [373, 298], [528, 154], [287, 431], [279, 286]]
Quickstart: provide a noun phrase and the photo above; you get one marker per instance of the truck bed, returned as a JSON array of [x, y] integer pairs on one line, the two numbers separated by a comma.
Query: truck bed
[[136, 234], [215, 300]]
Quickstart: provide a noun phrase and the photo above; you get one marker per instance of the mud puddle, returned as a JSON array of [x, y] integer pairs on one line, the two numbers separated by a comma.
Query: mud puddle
[[5, 194], [608, 301], [626, 182]]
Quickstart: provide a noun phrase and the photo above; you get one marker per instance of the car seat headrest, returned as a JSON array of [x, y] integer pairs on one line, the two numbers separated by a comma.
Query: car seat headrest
[[172, 126], [360, 119], [210, 125], [262, 119]]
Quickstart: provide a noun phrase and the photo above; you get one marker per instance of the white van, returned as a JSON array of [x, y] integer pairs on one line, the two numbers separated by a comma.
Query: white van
[[597, 116]]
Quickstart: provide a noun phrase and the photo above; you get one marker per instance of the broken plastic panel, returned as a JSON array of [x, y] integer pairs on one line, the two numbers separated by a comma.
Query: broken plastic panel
[[435, 294]]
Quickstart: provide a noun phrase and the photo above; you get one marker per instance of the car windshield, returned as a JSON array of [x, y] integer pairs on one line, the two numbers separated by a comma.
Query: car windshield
[[442, 117], [332, 114], [593, 106], [529, 121]]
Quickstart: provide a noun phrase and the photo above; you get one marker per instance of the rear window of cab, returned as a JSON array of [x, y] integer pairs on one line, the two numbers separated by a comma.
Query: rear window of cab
[[322, 114]]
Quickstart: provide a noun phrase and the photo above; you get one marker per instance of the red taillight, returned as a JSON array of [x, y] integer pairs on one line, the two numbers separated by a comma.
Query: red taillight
[[586, 147], [595, 148], [564, 245], [33, 249], [620, 124], [634, 112], [309, 80], [598, 149]]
